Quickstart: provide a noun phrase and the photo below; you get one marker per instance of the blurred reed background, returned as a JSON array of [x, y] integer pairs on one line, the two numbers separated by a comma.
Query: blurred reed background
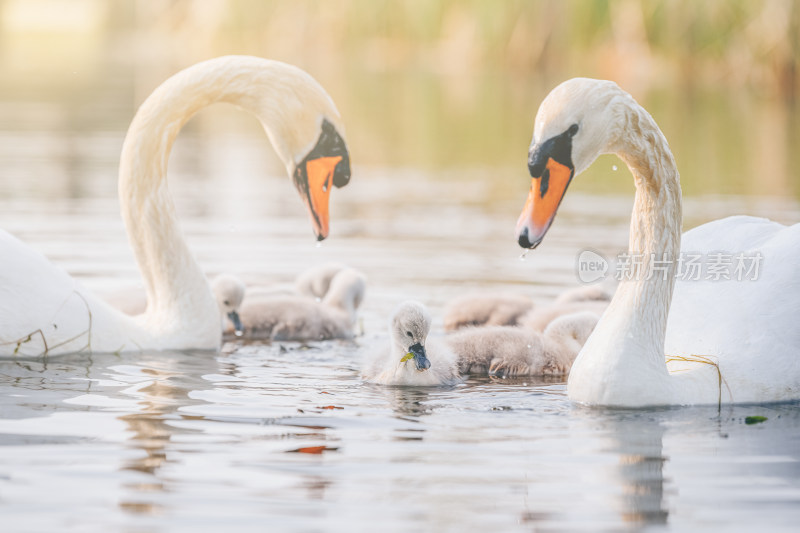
[[440, 86]]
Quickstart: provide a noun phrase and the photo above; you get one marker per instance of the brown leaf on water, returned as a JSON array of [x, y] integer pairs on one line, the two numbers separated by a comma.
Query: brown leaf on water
[[316, 450], [330, 407]]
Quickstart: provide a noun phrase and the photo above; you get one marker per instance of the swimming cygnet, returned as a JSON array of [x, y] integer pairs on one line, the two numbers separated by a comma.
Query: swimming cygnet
[[513, 351], [588, 298], [300, 318], [229, 292], [586, 293], [411, 359], [316, 280], [313, 282], [486, 310], [227, 288]]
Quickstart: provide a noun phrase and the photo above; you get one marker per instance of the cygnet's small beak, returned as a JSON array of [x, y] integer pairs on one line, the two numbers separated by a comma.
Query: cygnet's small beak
[[420, 357], [238, 329]]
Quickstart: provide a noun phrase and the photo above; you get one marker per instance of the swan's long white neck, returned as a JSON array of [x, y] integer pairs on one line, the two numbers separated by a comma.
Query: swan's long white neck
[[622, 362], [180, 301]]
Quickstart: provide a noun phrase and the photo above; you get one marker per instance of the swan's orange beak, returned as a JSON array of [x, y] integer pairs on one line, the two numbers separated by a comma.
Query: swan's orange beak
[[319, 174], [544, 197]]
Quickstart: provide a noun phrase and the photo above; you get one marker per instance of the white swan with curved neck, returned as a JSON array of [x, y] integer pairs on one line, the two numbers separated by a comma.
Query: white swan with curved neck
[[44, 311], [749, 328]]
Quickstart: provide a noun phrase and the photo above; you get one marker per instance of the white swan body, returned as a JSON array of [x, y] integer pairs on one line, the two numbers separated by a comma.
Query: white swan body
[[411, 358], [747, 328], [44, 311], [302, 318]]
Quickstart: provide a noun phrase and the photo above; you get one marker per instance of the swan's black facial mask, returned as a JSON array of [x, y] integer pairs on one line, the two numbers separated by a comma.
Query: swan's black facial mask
[[550, 166], [326, 165]]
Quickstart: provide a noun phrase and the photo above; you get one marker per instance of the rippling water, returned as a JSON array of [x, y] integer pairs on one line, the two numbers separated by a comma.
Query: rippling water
[[287, 437]]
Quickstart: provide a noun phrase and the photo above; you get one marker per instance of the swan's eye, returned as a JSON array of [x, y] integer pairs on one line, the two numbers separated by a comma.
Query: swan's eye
[[409, 334], [572, 130]]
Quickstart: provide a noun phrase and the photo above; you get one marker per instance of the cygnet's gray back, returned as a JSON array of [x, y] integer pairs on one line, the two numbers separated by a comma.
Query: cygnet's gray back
[[316, 280], [485, 310], [346, 291], [575, 326], [293, 318]]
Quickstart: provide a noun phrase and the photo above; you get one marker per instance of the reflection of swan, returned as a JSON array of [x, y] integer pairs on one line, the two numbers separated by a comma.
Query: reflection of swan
[[749, 326], [43, 310], [302, 318], [511, 351], [406, 361]]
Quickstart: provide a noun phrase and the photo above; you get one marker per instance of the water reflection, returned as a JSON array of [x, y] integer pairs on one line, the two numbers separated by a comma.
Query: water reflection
[[175, 429], [638, 441], [407, 402]]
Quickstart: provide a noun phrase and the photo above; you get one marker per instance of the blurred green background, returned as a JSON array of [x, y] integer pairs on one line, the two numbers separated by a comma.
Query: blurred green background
[[440, 86]]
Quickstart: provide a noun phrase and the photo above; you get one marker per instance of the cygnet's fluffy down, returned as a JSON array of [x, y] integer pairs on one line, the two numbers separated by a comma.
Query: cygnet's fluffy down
[[409, 358], [229, 292], [301, 318], [513, 351], [585, 298], [539, 318], [485, 310], [313, 282], [316, 280], [585, 293]]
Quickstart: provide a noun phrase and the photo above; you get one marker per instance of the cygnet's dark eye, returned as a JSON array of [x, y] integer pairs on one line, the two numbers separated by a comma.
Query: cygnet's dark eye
[[226, 302], [572, 130], [409, 334]]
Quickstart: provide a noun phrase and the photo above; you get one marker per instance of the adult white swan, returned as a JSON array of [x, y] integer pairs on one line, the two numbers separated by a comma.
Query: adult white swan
[[44, 311], [750, 328]]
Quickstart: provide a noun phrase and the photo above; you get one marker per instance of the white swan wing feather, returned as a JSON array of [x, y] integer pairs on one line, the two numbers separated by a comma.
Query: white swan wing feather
[[45, 311], [749, 326]]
